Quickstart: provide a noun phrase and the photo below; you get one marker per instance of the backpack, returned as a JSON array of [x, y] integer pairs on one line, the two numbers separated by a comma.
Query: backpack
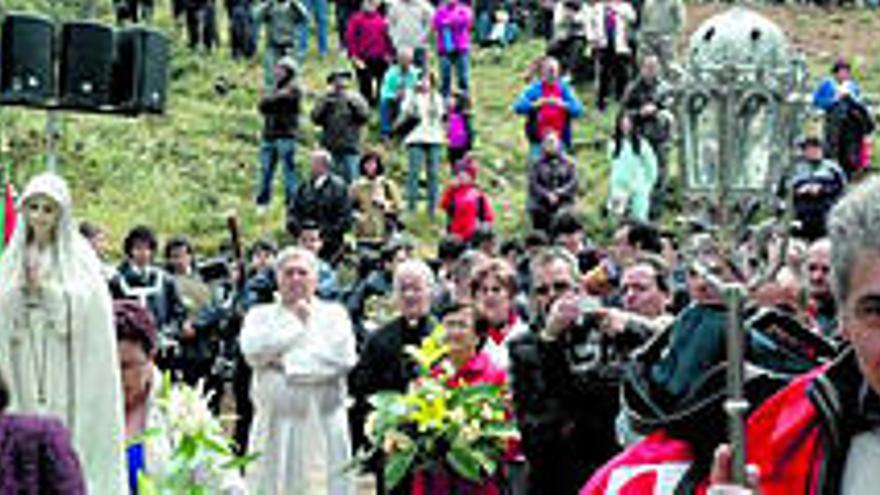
[[481, 210]]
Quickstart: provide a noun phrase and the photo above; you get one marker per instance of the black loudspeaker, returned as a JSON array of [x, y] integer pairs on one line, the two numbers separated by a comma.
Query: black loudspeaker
[[140, 71], [86, 65], [27, 74]]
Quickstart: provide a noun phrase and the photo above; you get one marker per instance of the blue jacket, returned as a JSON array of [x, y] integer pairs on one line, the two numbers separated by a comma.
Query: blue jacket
[[524, 105], [826, 94]]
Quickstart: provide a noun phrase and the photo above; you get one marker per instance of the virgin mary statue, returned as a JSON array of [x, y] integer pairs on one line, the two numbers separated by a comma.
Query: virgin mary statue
[[57, 343]]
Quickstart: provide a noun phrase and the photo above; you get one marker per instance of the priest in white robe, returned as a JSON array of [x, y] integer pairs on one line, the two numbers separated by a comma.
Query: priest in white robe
[[57, 341], [301, 349]]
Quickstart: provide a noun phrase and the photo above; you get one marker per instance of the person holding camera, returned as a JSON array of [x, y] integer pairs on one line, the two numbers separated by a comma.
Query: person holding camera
[[549, 105], [280, 108], [565, 407], [341, 113]]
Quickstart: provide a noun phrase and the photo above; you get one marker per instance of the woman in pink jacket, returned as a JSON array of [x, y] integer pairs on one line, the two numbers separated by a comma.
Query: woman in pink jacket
[[452, 27], [369, 48]]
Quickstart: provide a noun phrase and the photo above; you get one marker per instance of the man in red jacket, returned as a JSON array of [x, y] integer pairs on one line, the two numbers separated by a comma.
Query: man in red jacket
[[466, 206]]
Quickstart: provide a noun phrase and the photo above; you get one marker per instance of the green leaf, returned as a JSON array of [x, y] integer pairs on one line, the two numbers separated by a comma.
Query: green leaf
[[463, 461], [397, 465], [215, 444], [486, 462], [188, 447], [242, 462]]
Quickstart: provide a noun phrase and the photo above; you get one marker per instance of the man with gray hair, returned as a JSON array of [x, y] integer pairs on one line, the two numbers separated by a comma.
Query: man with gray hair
[[301, 349], [826, 423], [383, 365]]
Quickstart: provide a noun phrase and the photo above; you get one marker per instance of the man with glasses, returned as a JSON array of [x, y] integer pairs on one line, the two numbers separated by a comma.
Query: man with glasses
[[565, 412]]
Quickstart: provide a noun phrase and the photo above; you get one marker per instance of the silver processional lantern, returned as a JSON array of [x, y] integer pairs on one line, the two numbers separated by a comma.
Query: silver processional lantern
[[738, 107], [740, 103]]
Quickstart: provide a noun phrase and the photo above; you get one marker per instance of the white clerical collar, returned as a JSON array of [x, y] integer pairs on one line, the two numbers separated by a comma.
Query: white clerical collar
[[319, 182]]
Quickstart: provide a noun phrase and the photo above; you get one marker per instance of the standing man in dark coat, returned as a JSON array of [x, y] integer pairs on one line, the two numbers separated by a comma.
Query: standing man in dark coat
[[340, 114], [323, 199], [280, 108]]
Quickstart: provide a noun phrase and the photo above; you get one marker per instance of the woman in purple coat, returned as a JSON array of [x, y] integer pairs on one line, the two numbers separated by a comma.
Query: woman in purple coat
[[36, 456]]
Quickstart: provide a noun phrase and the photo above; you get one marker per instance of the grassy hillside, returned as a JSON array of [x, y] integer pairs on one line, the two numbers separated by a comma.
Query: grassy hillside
[[181, 172]]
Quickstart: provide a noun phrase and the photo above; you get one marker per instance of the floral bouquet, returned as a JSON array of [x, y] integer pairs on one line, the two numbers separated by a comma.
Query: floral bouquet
[[196, 454], [462, 428]]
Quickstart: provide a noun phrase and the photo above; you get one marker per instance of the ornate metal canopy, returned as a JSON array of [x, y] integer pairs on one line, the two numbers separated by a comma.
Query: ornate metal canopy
[[735, 108]]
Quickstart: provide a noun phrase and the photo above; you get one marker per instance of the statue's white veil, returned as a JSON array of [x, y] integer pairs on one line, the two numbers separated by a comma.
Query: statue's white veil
[[95, 416], [78, 265]]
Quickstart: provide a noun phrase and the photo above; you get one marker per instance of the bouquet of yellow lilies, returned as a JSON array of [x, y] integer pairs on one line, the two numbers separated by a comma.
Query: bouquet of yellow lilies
[[439, 424]]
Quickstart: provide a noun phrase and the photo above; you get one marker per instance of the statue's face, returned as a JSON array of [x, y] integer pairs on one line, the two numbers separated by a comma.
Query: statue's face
[[41, 216]]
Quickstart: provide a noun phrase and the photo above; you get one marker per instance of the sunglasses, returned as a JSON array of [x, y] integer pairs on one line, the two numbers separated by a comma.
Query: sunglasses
[[555, 287]]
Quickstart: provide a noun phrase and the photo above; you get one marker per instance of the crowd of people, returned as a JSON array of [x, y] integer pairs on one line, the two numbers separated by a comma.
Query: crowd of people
[[613, 351]]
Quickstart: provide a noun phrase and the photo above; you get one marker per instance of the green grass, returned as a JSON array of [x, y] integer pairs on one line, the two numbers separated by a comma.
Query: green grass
[[181, 172]]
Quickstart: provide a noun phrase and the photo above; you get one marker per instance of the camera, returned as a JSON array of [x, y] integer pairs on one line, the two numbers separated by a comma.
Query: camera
[[214, 270], [590, 351]]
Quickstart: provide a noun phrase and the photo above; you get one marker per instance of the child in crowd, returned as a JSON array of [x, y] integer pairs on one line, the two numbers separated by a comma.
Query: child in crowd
[[466, 205], [459, 129]]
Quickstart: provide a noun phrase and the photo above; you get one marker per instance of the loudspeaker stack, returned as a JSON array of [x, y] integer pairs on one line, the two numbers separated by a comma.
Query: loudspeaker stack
[[98, 69]]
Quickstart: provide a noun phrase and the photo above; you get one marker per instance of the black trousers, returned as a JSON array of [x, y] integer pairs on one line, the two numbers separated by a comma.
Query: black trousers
[[201, 26], [370, 79], [614, 71]]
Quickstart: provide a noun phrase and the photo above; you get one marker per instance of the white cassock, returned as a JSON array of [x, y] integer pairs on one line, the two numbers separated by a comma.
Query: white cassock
[[300, 428]]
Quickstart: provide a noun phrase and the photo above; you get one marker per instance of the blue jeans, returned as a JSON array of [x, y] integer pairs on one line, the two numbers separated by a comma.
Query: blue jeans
[[462, 67], [388, 109], [346, 166], [270, 152], [428, 154], [318, 9]]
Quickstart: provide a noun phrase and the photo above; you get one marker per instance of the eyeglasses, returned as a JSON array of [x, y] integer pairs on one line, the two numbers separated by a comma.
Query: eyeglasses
[[556, 287]]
